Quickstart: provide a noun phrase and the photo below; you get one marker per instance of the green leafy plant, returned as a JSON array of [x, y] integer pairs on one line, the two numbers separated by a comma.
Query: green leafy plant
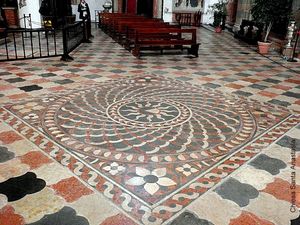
[[270, 11], [219, 11]]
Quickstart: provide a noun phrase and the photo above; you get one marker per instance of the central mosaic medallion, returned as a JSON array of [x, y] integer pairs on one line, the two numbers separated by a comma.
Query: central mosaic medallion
[[149, 121], [153, 113]]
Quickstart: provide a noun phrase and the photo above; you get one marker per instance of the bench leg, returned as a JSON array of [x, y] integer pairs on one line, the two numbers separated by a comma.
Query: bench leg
[[194, 50], [136, 51]]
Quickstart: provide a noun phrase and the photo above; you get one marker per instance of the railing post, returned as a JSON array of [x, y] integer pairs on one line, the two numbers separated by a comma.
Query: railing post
[[85, 33], [65, 56]]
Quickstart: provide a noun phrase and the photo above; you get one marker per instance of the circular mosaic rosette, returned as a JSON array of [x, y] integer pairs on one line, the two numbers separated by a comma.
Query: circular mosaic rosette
[[149, 120]]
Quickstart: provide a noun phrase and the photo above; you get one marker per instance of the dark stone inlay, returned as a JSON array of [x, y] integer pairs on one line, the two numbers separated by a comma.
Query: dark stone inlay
[[178, 67], [272, 165], [245, 53], [64, 81], [5, 155], [150, 179], [93, 76], [228, 79], [187, 218], [243, 93], [31, 88], [117, 71], [243, 74], [48, 75], [289, 142], [18, 187], [258, 86], [184, 78], [278, 102], [238, 192], [5, 73], [210, 85], [269, 80], [65, 216], [218, 69], [201, 73], [15, 80], [76, 70], [297, 220], [292, 94]]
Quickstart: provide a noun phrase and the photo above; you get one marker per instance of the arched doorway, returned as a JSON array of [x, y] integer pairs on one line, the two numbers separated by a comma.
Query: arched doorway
[[145, 8], [139, 7]]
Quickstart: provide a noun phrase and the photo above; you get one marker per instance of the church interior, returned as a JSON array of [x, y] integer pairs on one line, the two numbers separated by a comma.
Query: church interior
[[149, 112]]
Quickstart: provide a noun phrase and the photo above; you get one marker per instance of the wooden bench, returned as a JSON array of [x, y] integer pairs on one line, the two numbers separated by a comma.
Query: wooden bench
[[164, 38], [139, 33], [126, 30], [119, 25]]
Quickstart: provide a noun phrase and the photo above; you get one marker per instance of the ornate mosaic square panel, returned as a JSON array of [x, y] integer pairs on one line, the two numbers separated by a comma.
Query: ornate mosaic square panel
[[150, 144]]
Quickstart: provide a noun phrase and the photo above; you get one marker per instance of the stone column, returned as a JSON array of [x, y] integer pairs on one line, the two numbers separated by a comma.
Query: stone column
[[157, 5], [231, 12], [243, 12]]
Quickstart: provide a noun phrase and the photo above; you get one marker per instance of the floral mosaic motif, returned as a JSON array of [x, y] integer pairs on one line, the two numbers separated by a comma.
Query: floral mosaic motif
[[152, 181], [31, 116], [49, 99], [114, 168], [154, 113], [186, 169], [148, 111]]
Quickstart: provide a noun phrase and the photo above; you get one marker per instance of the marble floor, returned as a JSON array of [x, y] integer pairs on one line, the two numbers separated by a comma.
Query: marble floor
[[108, 139]]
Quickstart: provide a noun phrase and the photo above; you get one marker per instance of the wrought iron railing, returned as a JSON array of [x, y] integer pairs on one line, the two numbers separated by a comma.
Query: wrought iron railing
[[18, 44]]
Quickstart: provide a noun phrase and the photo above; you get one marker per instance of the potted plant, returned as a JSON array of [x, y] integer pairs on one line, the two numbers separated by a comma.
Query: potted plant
[[268, 12], [219, 12]]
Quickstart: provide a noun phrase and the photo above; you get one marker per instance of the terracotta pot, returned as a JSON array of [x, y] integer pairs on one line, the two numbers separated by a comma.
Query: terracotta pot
[[218, 29], [263, 47]]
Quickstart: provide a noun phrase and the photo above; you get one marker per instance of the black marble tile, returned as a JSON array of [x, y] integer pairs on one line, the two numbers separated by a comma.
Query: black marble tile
[[289, 143], [201, 73], [47, 75], [5, 73], [243, 74], [75, 70], [210, 85], [65, 216], [258, 86], [278, 102], [187, 218], [228, 79], [18, 187], [273, 81], [31, 88], [243, 93], [92, 76], [15, 80], [272, 165], [240, 193], [65, 81], [5, 154], [296, 221], [291, 94]]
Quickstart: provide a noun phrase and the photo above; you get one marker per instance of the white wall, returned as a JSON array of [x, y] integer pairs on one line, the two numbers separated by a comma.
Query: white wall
[[32, 7], [207, 18], [93, 4], [167, 10]]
